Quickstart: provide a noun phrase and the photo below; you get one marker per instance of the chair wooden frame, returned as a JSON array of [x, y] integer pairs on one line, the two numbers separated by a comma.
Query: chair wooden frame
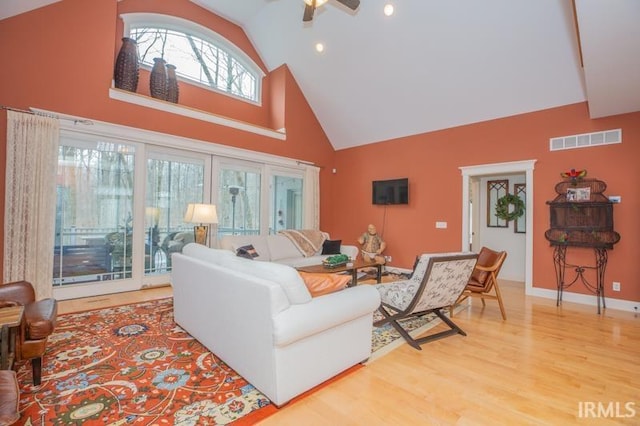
[[434, 292], [483, 291]]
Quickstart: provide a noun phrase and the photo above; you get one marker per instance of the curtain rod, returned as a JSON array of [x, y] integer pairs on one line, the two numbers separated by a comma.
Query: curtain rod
[[75, 120], [308, 163]]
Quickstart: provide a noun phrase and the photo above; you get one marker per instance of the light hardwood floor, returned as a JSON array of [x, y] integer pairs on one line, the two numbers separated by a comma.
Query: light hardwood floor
[[544, 365]]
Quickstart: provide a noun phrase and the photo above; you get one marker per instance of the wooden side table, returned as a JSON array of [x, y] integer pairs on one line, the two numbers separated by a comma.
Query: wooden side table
[[10, 320]]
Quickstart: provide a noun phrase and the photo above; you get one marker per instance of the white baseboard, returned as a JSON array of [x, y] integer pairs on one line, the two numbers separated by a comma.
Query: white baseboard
[[586, 299]]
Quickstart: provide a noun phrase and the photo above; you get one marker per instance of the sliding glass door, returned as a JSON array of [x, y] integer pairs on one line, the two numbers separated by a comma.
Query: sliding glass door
[[107, 238], [286, 197], [94, 212], [173, 180], [239, 196]]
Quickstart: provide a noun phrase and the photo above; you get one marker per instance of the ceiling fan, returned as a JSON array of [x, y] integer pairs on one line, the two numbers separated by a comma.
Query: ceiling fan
[[312, 4]]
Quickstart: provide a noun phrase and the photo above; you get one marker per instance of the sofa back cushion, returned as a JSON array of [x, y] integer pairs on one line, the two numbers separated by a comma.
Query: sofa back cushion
[[206, 254], [288, 278], [259, 243], [281, 247]]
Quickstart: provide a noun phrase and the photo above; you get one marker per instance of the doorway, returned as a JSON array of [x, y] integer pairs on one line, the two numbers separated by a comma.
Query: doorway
[[470, 176]]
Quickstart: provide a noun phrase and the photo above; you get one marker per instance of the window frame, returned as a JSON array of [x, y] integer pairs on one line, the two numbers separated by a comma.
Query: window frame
[[175, 23]]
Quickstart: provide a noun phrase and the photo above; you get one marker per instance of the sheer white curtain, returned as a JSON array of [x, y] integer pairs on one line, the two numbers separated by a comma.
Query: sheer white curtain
[[30, 200], [312, 198]]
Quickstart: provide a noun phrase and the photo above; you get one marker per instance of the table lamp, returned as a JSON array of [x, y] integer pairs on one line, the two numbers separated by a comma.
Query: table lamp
[[203, 214]]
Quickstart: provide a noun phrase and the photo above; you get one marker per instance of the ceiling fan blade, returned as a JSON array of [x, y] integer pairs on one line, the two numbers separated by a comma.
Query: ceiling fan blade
[[351, 4], [308, 12]]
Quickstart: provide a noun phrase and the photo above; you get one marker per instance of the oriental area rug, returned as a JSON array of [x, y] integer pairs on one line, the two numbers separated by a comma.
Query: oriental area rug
[[133, 364]]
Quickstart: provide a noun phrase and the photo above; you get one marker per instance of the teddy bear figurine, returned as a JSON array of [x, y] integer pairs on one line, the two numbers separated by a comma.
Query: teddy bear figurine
[[372, 245]]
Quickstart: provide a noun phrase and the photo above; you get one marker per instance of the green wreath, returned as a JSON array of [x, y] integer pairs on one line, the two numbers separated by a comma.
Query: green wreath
[[502, 207]]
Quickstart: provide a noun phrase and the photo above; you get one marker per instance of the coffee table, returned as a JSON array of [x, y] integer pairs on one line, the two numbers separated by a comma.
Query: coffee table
[[353, 268]]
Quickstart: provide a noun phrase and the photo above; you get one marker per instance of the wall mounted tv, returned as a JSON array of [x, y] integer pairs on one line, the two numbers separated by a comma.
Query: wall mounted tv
[[393, 191]]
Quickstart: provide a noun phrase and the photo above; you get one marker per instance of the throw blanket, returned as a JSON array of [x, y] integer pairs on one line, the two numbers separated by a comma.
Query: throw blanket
[[308, 241]]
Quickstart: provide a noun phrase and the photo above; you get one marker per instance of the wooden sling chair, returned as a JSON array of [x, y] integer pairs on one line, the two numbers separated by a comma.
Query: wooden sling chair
[[483, 283], [437, 282]]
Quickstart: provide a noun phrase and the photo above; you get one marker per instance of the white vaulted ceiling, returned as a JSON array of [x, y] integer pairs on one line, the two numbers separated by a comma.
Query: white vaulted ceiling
[[437, 64]]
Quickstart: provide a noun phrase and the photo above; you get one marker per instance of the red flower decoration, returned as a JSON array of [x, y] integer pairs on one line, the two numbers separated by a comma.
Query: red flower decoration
[[574, 174]]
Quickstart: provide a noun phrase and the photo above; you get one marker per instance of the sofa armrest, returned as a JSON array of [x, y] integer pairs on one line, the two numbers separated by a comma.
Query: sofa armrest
[[351, 251], [41, 318], [323, 313]]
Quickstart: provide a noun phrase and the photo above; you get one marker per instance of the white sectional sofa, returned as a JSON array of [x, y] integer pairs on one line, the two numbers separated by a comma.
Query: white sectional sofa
[[259, 318], [279, 249]]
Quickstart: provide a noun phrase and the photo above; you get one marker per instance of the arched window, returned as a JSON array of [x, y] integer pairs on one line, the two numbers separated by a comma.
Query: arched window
[[199, 54]]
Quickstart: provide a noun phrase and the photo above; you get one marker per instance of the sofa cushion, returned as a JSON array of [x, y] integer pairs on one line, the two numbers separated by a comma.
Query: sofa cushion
[[288, 278], [207, 254], [331, 246], [281, 247], [322, 283]]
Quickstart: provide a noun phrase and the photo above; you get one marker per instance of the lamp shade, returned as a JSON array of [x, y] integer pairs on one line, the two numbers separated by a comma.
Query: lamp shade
[[201, 213], [318, 2], [152, 215]]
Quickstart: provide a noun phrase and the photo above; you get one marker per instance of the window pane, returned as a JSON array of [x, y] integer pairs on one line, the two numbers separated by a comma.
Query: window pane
[[93, 213], [287, 203], [195, 59], [171, 186], [239, 202]]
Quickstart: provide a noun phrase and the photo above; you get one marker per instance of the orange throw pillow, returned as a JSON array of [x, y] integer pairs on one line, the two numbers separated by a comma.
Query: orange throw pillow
[[319, 283]]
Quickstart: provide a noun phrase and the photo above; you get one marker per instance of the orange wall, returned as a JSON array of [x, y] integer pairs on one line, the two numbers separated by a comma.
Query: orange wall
[[61, 58], [431, 161]]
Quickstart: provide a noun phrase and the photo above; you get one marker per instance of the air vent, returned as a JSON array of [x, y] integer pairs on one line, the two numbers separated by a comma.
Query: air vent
[[586, 140]]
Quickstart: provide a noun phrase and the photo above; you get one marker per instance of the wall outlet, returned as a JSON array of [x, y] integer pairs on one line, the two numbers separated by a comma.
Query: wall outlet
[[387, 258], [441, 225], [616, 286]]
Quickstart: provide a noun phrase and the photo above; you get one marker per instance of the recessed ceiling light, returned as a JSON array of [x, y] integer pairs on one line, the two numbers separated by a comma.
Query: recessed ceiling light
[[319, 47], [388, 9]]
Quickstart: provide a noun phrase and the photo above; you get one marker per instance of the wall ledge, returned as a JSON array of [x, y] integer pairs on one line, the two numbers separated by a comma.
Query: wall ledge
[[148, 102]]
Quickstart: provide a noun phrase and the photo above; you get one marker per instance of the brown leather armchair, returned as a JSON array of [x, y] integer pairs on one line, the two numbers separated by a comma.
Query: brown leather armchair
[[38, 323]]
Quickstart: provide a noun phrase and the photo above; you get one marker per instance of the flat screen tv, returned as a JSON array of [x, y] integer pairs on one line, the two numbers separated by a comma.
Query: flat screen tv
[[392, 191]]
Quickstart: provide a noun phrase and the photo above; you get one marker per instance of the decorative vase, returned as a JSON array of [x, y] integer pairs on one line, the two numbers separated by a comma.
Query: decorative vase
[[172, 84], [125, 73], [158, 80]]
